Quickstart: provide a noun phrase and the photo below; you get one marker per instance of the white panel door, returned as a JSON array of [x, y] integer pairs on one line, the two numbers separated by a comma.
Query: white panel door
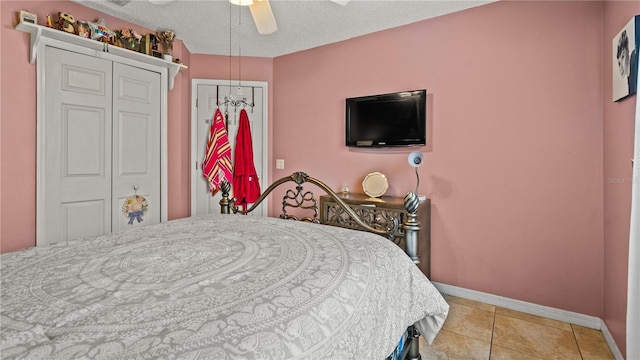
[[208, 98], [136, 143], [77, 146]]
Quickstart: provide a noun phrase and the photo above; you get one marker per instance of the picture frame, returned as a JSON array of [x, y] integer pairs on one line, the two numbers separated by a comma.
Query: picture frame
[[145, 47], [626, 45], [25, 16], [149, 45]]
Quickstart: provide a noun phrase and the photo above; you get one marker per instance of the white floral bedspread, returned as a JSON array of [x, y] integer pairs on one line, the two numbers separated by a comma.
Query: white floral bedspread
[[215, 287]]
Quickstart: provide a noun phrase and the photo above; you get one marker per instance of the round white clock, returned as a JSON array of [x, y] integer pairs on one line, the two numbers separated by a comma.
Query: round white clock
[[375, 184]]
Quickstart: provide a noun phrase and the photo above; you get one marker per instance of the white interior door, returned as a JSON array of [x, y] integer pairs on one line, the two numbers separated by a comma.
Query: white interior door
[[99, 143], [136, 143], [208, 94], [77, 147]]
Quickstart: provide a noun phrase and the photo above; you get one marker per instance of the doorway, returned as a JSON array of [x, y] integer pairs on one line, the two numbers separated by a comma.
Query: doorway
[[207, 96]]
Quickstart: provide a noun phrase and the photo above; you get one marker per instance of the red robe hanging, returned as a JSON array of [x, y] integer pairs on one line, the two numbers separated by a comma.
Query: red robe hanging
[[217, 160], [246, 188]]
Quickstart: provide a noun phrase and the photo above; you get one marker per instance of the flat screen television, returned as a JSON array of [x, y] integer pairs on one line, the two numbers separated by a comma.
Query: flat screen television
[[387, 120]]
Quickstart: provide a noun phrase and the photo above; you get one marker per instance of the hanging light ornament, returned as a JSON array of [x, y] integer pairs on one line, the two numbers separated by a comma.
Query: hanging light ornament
[[238, 99]]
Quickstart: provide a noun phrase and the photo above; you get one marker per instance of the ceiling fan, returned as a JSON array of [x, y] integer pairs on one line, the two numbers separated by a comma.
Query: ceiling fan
[[260, 11], [263, 15]]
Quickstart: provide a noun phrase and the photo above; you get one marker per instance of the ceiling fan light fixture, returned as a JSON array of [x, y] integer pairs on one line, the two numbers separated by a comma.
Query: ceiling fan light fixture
[[241, 2], [263, 17]]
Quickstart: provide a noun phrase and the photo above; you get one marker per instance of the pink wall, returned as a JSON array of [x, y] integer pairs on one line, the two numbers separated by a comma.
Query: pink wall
[[618, 150], [178, 139], [514, 170]]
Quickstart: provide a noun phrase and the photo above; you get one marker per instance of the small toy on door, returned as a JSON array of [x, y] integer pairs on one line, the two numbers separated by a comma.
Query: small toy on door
[[66, 22], [134, 208]]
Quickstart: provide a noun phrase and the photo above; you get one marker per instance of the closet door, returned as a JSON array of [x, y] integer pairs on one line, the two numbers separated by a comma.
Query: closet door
[[136, 143], [102, 145], [77, 147]]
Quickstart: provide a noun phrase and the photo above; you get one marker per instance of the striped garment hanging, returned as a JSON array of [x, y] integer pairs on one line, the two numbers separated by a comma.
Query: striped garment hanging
[[217, 161]]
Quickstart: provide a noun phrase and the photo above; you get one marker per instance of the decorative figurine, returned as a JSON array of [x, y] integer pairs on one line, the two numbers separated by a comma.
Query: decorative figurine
[[83, 29], [166, 37], [127, 39], [49, 24], [100, 31], [65, 22]]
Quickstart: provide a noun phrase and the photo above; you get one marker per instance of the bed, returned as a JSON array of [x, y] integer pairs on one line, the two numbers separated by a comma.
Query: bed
[[220, 286]]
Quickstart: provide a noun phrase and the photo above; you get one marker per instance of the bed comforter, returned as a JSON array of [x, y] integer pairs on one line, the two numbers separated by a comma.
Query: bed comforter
[[215, 287]]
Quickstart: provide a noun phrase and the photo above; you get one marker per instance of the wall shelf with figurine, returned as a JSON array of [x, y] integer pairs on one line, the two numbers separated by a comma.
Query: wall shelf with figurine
[[38, 32]]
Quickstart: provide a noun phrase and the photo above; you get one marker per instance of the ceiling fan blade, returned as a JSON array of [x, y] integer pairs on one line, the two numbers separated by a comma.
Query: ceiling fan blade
[[263, 17]]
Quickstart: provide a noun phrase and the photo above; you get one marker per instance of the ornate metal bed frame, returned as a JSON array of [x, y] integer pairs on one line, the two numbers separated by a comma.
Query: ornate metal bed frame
[[305, 200]]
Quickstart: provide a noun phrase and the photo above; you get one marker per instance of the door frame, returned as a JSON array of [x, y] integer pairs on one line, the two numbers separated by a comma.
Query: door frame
[[196, 153], [41, 118]]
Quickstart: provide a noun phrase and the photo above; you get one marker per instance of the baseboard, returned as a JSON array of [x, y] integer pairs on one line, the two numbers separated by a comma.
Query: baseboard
[[612, 344], [534, 309], [522, 306]]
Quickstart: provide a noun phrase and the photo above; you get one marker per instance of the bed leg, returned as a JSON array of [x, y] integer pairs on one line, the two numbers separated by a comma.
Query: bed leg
[[414, 345]]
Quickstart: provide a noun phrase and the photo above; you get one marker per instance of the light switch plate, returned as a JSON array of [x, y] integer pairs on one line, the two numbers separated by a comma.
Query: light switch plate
[[280, 164]]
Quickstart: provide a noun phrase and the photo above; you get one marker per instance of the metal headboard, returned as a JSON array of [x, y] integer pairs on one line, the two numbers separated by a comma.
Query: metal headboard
[[305, 200], [294, 199]]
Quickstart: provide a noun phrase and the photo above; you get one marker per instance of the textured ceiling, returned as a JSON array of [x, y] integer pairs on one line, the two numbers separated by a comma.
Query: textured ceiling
[[204, 26]]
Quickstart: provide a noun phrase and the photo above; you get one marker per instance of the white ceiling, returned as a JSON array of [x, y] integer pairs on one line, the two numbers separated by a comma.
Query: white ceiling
[[204, 25]]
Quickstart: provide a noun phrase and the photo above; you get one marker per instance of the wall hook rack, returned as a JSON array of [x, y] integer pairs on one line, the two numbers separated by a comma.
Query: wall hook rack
[[229, 100]]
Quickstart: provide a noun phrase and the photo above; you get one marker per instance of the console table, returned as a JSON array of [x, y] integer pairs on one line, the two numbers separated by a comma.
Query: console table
[[378, 212]]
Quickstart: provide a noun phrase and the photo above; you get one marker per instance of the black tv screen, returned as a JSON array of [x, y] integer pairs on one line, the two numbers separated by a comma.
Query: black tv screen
[[387, 120]]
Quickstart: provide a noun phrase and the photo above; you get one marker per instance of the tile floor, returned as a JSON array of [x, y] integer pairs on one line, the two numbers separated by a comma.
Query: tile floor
[[475, 330]]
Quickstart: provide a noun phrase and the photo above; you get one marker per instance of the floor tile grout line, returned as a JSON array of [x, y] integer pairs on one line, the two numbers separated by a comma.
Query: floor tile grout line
[[473, 308], [472, 338], [573, 332], [587, 335], [533, 322], [493, 331], [467, 304]]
